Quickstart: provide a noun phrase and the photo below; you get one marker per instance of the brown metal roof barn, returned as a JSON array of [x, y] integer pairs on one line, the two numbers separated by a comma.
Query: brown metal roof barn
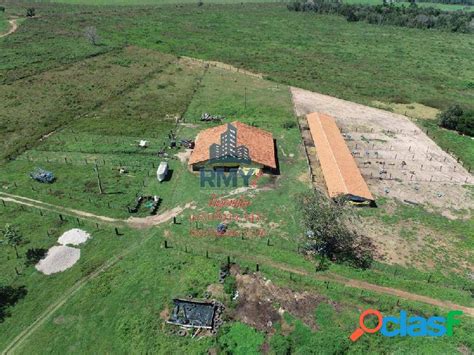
[[339, 168]]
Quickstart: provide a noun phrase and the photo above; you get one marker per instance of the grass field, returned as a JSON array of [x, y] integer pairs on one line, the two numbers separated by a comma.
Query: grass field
[[105, 304], [4, 25], [356, 62]]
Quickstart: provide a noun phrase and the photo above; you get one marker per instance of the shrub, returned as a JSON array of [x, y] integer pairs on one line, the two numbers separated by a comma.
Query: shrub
[[91, 35], [30, 12], [34, 255], [9, 296], [457, 119], [289, 124]]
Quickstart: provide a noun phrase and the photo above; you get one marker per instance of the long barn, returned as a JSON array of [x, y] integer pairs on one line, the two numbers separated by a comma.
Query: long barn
[[342, 176]]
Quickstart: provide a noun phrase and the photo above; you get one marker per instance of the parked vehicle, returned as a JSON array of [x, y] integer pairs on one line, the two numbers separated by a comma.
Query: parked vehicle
[[162, 171]]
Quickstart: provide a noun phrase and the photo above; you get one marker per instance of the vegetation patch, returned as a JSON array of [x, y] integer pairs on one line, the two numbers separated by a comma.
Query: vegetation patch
[[412, 16]]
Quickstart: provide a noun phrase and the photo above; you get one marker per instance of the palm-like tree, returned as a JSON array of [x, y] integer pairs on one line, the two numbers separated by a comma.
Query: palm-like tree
[[12, 237]]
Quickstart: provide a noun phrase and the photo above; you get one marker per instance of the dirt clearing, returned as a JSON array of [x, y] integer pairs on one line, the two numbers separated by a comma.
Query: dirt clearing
[[396, 158], [261, 303]]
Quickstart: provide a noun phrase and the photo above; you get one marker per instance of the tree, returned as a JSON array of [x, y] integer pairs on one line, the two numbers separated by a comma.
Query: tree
[[328, 234], [30, 12], [8, 297], [90, 32], [34, 255], [458, 119], [12, 237]]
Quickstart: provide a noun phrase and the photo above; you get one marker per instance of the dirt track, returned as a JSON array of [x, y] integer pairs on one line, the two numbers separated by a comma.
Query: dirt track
[[13, 28], [396, 158], [133, 222]]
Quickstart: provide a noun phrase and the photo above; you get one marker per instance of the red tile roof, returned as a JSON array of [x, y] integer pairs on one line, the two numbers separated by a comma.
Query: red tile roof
[[259, 143], [339, 168]]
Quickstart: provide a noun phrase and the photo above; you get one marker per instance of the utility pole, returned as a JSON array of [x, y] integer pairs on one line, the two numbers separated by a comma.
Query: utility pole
[[98, 179]]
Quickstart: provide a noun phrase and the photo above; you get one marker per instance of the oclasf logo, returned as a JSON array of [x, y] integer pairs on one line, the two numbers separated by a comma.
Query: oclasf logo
[[414, 326]]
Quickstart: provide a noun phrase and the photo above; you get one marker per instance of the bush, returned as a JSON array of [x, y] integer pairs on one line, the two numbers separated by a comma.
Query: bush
[[2, 8], [240, 339], [457, 119], [9, 296], [289, 124], [34, 255], [30, 12]]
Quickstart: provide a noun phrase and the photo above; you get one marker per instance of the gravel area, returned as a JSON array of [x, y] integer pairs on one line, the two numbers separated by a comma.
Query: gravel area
[[74, 237], [59, 258]]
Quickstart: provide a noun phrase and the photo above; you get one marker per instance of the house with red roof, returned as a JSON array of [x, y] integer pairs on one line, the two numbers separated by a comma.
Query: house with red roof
[[234, 145]]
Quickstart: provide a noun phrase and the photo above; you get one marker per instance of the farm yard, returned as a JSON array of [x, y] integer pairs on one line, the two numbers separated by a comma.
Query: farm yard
[[82, 111]]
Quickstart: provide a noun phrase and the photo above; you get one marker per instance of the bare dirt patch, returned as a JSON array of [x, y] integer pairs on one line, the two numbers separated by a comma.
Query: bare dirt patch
[[397, 159], [261, 303], [13, 28], [151, 221], [184, 156]]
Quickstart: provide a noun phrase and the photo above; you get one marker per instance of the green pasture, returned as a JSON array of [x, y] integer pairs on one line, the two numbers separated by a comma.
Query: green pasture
[[355, 61], [4, 26]]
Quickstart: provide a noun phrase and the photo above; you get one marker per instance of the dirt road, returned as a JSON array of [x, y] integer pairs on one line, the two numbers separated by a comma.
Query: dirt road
[[13, 28], [133, 222]]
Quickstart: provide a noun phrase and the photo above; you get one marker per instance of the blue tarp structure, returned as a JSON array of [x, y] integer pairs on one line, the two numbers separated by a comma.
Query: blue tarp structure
[[43, 176]]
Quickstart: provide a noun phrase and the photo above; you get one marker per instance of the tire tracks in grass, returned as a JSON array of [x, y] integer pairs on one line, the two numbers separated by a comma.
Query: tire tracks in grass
[[13, 28], [132, 222]]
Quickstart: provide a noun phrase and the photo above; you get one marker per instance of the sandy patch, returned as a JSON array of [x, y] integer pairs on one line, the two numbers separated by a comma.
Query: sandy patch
[[74, 237], [184, 156], [59, 258]]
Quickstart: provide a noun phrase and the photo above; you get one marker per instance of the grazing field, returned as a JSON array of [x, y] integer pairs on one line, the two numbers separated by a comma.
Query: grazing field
[[148, 275], [3, 23], [444, 7], [355, 62]]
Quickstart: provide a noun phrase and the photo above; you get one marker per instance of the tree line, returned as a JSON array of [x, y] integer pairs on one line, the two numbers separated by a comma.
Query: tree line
[[389, 14], [450, 2]]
